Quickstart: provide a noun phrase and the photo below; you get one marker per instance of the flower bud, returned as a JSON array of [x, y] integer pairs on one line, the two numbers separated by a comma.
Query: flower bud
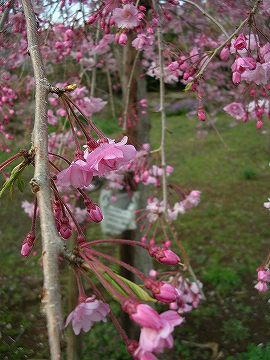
[[201, 115], [224, 54], [122, 39], [95, 213], [65, 229], [240, 42], [28, 244], [236, 78], [91, 19], [164, 256], [259, 124], [161, 291]]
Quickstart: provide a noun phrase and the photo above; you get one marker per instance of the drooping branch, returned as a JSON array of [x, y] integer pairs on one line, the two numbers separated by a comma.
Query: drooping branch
[[51, 243], [162, 109], [217, 50], [209, 16]]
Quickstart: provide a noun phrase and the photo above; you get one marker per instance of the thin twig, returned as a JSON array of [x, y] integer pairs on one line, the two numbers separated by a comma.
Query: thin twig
[[128, 91], [210, 17], [216, 51], [162, 110]]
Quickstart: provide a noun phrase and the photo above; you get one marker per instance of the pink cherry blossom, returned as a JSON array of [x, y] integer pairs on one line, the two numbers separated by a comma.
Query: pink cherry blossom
[[240, 43], [242, 64], [260, 75], [86, 314], [192, 200], [236, 110], [110, 156], [145, 316], [261, 286], [189, 296], [156, 340], [78, 175], [126, 17]]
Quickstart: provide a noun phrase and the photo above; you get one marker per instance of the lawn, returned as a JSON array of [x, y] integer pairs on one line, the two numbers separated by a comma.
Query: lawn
[[227, 237]]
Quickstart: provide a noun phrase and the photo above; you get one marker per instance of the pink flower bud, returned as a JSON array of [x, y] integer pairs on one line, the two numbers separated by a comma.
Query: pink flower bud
[[122, 39], [236, 78], [164, 256], [161, 291], [153, 274], [65, 229], [259, 112], [95, 213], [201, 115], [169, 169], [259, 124], [262, 275], [26, 249], [186, 76], [174, 306], [28, 244], [240, 42], [252, 92], [224, 54], [91, 19]]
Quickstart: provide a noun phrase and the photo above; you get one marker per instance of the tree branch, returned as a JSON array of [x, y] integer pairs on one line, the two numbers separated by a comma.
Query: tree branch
[[51, 243], [210, 17], [216, 51], [162, 109]]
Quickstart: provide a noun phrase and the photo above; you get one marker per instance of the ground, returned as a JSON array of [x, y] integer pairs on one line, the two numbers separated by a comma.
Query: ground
[[227, 238]]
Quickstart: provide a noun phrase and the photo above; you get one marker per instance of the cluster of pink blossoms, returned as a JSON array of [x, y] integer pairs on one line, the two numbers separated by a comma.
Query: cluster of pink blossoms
[[251, 66], [189, 295], [263, 280], [140, 170], [155, 207], [106, 157]]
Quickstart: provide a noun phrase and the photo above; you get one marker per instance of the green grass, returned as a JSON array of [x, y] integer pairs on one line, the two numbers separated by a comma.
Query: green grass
[[227, 237]]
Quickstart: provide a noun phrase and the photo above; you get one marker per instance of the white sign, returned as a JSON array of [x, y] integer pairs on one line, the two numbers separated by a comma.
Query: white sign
[[120, 214]]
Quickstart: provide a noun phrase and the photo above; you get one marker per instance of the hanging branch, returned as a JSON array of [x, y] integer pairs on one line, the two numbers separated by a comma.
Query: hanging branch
[[210, 17], [109, 81], [216, 51], [125, 115], [162, 109], [94, 71], [51, 243]]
